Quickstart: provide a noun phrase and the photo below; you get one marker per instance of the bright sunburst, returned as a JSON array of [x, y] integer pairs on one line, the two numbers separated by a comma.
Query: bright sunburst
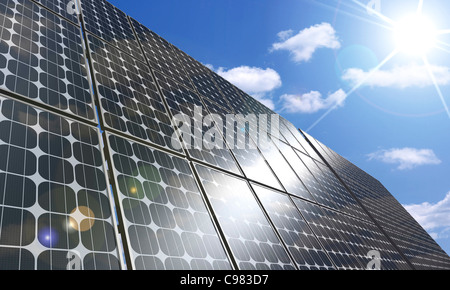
[[415, 35]]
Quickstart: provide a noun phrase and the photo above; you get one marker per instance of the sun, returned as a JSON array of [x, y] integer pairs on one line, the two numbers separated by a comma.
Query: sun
[[415, 35]]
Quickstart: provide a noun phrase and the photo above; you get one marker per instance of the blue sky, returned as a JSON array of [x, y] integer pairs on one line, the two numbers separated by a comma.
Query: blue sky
[[306, 59]]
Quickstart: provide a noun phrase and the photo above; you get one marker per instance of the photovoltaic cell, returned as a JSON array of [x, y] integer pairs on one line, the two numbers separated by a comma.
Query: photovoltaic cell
[[252, 240], [64, 8], [411, 239], [55, 211], [161, 54], [314, 187], [166, 220], [286, 133], [201, 144], [109, 23], [42, 58], [341, 197], [129, 97], [296, 205], [288, 178], [202, 80], [294, 231], [366, 237], [339, 250], [232, 96], [255, 166]]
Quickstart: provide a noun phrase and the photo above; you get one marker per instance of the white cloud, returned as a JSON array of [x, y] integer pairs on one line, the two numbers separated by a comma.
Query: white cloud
[[406, 158], [435, 218], [412, 75], [255, 81], [312, 102], [210, 66], [285, 34], [307, 41]]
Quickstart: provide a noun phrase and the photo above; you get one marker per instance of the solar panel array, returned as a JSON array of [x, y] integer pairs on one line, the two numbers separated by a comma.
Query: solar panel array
[[107, 161], [412, 240]]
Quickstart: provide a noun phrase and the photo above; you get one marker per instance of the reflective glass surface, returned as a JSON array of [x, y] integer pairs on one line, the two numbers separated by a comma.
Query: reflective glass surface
[[294, 231], [161, 54], [129, 97], [63, 8], [109, 23], [414, 243], [252, 240], [42, 58], [55, 212], [166, 220], [202, 141]]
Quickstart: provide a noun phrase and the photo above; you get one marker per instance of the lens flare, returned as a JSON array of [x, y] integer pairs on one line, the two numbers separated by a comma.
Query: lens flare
[[48, 237], [415, 35], [78, 220]]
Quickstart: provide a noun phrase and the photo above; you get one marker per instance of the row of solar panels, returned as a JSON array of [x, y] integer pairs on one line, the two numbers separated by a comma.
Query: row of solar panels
[[62, 181], [416, 244]]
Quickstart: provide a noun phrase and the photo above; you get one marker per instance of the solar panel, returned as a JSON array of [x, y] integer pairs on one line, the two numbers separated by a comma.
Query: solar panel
[[341, 197], [288, 178], [314, 187], [294, 231], [167, 224], [252, 240], [202, 80], [235, 101], [109, 23], [64, 8], [341, 251], [129, 97], [42, 58], [255, 166], [411, 239], [193, 188], [200, 142], [161, 54], [55, 210]]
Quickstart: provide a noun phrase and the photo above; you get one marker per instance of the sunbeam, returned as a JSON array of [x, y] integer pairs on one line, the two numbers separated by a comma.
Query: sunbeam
[[438, 89], [443, 31], [420, 7], [415, 35], [377, 13], [357, 86], [443, 49]]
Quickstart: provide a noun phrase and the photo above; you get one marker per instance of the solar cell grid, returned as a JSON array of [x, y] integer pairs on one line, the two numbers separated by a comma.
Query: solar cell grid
[[314, 187], [202, 79], [252, 240], [290, 181], [160, 54], [165, 218], [63, 8], [232, 96], [225, 204], [129, 99], [109, 23], [340, 251], [294, 231], [202, 141], [42, 58], [334, 188], [253, 164], [54, 201]]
